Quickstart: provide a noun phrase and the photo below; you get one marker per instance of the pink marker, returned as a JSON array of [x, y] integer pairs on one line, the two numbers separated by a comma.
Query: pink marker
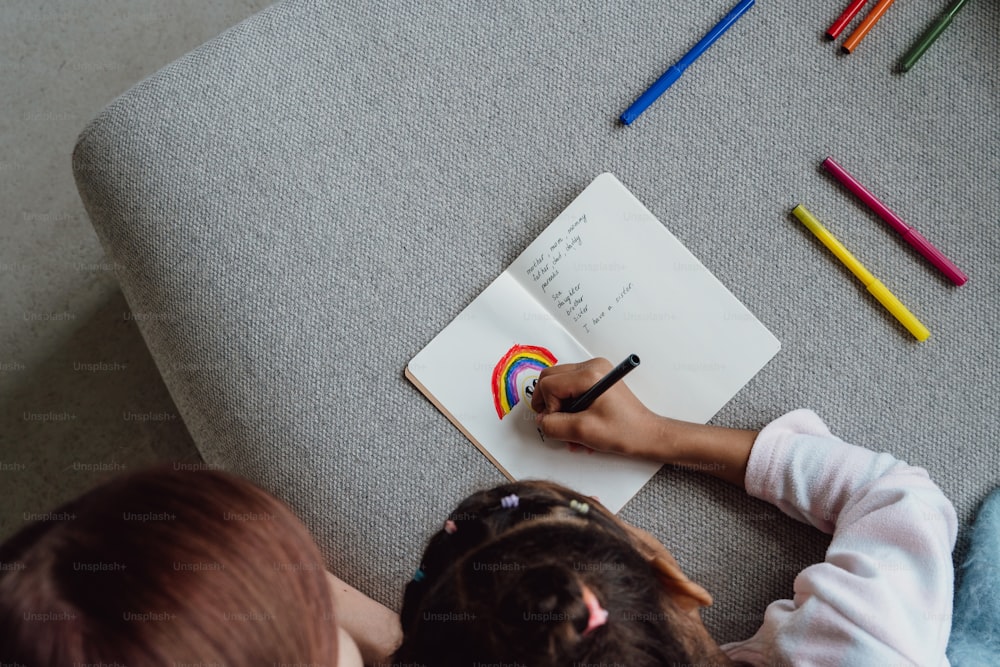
[[910, 235]]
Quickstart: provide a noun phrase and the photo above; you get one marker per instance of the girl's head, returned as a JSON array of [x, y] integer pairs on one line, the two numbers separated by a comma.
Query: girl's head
[[166, 567], [533, 573]]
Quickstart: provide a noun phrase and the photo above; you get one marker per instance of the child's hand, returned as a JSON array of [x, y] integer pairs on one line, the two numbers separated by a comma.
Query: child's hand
[[617, 421]]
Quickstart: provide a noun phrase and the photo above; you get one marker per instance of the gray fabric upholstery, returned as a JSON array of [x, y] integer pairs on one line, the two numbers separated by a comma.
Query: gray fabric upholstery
[[298, 206]]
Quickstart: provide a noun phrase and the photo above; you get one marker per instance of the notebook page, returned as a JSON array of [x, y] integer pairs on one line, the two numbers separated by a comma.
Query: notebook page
[[620, 283], [458, 371]]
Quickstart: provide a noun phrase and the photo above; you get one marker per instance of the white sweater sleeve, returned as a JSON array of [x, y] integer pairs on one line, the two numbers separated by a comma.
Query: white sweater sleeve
[[883, 594]]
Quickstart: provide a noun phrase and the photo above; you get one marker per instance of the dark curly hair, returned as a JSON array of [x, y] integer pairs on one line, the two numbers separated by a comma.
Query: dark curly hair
[[505, 584]]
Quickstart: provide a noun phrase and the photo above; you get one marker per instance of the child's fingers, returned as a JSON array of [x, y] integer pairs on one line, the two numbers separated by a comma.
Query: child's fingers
[[547, 391], [565, 381], [565, 426]]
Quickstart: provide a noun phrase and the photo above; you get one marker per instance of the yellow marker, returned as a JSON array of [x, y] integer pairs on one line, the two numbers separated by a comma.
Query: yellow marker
[[884, 296]]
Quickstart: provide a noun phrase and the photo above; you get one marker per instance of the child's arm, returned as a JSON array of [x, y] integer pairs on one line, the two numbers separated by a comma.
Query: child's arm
[[618, 422], [373, 627], [883, 593]]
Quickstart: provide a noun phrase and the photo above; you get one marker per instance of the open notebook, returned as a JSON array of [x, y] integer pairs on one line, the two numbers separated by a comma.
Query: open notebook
[[606, 279]]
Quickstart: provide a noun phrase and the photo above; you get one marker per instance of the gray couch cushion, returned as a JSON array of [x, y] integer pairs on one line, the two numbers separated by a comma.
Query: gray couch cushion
[[301, 204]]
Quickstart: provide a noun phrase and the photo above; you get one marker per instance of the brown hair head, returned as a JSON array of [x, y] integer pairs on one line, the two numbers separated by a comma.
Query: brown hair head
[[162, 567], [504, 581]]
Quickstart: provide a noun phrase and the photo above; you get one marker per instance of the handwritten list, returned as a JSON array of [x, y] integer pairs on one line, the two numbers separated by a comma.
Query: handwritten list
[[581, 296]]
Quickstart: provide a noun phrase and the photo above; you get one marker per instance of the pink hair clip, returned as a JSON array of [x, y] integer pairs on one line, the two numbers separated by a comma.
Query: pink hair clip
[[450, 527], [598, 614]]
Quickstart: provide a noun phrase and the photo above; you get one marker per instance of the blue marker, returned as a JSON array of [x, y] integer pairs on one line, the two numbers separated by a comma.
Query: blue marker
[[674, 71]]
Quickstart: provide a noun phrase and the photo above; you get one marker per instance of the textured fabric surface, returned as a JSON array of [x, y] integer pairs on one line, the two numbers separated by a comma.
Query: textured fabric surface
[[301, 204], [975, 638]]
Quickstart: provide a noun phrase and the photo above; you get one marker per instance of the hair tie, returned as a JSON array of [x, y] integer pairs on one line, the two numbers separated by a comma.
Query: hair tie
[[581, 508], [418, 576], [598, 615], [509, 502], [450, 527]]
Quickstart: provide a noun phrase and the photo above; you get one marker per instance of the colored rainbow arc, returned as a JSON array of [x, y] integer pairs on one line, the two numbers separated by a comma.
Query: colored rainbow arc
[[519, 360]]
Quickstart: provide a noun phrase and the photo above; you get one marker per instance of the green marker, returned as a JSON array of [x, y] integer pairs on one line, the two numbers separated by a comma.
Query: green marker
[[911, 58]]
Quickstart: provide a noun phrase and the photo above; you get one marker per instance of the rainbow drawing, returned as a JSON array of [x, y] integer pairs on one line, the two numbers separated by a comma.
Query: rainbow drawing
[[513, 371]]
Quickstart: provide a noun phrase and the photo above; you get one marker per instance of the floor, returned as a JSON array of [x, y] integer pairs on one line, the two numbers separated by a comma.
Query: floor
[[80, 397]]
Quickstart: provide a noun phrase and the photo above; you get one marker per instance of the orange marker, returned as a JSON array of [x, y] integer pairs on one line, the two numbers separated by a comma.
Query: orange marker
[[865, 26]]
